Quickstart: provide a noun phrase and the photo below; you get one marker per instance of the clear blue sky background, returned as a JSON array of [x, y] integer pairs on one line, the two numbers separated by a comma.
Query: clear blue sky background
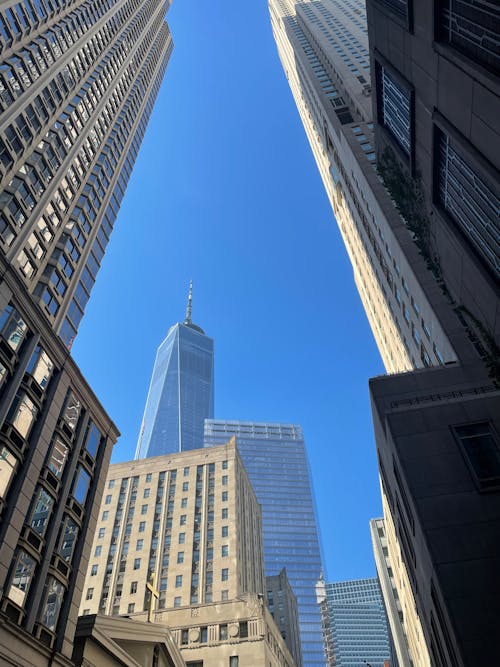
[[225, 191]]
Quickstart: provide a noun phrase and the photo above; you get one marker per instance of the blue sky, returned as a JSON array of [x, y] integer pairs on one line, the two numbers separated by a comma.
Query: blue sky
[[225, 191]]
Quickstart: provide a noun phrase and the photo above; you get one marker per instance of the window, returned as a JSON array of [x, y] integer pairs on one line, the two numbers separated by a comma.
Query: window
[[223, 631], [185, 486], [107, 501], [224, 480], [101, 532], [130, 608], [105, 515], [182, 520], [98, 550], [149, 477], [224, 465], [225, 513], [137, 563], [182, 538], [144, 509], [139, 545], [225, 595], [54, 594], [177, 601], [41, 511], [81, 485], [224, 496], [111, 483], [225, 531], [40, 367], [225, 574], [8, 465], [22, 414], [184, 503], [186, 471], [133, 587], [146, 493], [482, 452], [225, 550], [471, 201], [178, 581], [471, 29], [92, 439], [180, 556], [93, 571], [90, 594], [394, 107], [204, 634], [184, 636], [243, 629]]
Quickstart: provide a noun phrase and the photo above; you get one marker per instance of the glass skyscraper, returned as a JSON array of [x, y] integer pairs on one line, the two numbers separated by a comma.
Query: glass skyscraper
[[358, 623], [275, 459], [181, 393]]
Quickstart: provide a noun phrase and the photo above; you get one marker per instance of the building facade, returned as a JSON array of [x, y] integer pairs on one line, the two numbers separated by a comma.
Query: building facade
[[181, 393], [282, 604], [191, 519], [323, 47], [275, 458], [419, 218], [358, 623], [393, 605], [55, 439], [77, 86]]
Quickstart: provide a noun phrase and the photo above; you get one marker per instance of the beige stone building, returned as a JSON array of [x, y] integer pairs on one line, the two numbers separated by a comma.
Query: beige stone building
[[188, 520]]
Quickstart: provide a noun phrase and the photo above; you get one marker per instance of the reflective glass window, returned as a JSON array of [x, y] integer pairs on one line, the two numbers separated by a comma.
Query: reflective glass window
[[40, 367], [93, 439], [22, 414], [8, 465], [71, 412], [58, 456], [54, 594], [41, 511], [22, 578], [67, 539], [81, 485]]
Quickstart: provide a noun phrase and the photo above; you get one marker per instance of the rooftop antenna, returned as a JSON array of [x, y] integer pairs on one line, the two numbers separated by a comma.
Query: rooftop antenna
[[189, 306]]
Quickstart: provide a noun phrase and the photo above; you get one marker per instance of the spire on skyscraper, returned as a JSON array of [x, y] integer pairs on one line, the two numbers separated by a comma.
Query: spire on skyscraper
[[189, 307]]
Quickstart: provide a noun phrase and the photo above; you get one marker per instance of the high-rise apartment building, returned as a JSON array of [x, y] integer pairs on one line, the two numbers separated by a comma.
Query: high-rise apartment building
[[77, 85], [275, 458], [181, 393], [357, 623], [419, 217]]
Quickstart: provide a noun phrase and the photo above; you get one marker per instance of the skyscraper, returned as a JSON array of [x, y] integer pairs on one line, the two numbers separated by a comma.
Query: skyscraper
[[275, 458], [181, 393], [419, 217], [358, 623], [77, 86]]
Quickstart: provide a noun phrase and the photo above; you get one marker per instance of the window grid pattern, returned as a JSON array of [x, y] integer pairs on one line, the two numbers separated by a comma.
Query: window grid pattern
[[470, 200], [394, 108], [473, 28]]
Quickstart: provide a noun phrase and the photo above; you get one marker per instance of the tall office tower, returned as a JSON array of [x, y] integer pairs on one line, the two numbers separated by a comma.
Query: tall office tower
[[282, 604], [389, 591], [181, 393], [179, 542], [275, 458], [77, 85], [358, 623], [323, 48]]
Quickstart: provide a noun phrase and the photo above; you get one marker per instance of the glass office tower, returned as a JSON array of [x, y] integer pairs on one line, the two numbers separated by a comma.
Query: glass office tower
[[181, 393], [358, 623], [78, 81], [275, 458]]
